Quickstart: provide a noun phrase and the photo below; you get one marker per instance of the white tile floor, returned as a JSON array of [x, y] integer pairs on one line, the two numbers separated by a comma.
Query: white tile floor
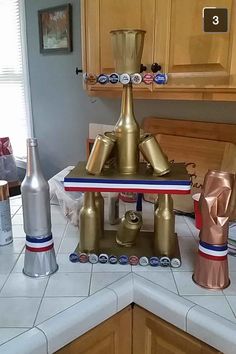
[[25, 302]]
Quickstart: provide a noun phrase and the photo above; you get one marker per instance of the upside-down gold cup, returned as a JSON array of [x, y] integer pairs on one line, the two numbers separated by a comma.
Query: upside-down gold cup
[[127, 47], [100, 152], [153, 153]]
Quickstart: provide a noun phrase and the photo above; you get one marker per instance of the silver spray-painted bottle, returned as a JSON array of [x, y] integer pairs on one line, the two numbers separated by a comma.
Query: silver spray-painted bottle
[[40, 259]]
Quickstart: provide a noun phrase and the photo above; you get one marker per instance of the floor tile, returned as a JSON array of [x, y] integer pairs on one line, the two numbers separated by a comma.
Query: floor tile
[[216, 304], [232, 263], [101, 280], [9, 333], [19, 284], [98, 267], [186, 286], [183, 230], [71, 231], [65, 265], [231, 290], [68, 284], [18, 311], [57, 216], [15, 247], [14, 209], [3, 278], [7, 262], [58, 230], [164, 279], [68, 244], [16, 200], [188, 251], [148, 268], [232, 302], [19, 264], [51, 306], [18, 231]]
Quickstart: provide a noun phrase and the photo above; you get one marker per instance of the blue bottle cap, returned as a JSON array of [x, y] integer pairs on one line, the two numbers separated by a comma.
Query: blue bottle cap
[[83, 257], [124, 79], [154, 261], [165, 261], [102, 79], [74, 257], [113, 259], [93, 258], [114, 78], [160, 79], [123, 259], [103, 258], [143, 261]]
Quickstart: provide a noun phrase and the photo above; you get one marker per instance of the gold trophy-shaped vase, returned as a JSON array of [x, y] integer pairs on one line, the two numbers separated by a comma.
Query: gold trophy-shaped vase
[[127, 49]]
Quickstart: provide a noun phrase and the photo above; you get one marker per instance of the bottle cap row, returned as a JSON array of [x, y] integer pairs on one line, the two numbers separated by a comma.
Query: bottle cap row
[[136, 79]]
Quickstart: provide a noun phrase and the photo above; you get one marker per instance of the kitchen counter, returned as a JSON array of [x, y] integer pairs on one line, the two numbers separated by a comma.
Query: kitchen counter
[[39, 316]]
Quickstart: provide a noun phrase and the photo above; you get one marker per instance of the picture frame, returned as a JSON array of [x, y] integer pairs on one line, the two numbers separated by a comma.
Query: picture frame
[[55, 29]]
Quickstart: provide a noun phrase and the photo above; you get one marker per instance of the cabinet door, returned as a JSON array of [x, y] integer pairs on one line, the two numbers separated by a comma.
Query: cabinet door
[[151, 335], [99, 18], [112, 336], [192, 57]]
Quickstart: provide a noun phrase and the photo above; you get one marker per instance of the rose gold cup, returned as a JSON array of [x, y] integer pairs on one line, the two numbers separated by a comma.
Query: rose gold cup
[[100, 152], [211, 267]]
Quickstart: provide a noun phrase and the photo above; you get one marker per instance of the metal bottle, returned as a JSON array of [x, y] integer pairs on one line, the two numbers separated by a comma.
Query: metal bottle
[[89, 225], [99, 203], [127, 133], [40, 257], [164, 226], [5, 215]]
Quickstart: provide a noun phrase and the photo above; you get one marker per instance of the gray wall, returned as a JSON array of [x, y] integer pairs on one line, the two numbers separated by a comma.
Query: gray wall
[[62, 111]]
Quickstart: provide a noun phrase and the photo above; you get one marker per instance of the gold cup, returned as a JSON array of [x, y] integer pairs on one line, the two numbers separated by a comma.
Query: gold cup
[[101, 150], [127, 50], [129, 228], [153, 153]]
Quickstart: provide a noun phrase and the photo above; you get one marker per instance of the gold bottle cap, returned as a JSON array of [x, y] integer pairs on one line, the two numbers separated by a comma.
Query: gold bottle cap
[[4, 190]]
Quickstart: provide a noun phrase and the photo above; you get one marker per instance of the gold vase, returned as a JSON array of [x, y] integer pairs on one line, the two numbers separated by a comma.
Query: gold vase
[[99, 203], [127, 133], [164, 226], [89, 225], [127, 49]]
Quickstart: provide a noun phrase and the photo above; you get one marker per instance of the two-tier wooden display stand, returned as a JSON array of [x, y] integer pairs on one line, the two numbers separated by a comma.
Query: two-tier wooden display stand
[[176, 182]]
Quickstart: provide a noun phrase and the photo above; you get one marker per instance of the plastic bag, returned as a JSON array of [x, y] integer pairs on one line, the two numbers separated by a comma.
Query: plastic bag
[[8, 169], [70, 202]]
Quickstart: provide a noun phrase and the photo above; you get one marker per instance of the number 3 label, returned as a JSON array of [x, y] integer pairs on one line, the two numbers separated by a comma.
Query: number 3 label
[[215, 20]]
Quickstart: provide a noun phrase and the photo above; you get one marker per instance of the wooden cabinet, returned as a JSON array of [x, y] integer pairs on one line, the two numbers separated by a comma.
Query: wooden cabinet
[[113, 336], [200, 65], [136, 331], [152, 335]]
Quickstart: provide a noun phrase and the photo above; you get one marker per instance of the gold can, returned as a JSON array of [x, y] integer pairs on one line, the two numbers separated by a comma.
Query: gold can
[[127, 47], [101, 150], [129, 228], [153, 153]]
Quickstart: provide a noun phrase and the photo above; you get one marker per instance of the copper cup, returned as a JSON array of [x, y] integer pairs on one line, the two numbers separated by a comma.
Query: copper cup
[[153, 153], [211, 267], [100, 152]]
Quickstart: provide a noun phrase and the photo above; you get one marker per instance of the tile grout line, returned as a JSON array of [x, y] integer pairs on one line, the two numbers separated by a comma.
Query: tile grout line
[[229, 304], [175, 282], [42, 297]]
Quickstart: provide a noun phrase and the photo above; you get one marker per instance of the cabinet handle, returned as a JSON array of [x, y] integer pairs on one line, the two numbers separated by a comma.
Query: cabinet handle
[[78, 71], [142, 68], [155, 67]]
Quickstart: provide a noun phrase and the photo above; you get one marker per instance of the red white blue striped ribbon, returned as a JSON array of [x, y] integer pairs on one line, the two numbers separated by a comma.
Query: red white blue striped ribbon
[[213, 252], [34, 244]]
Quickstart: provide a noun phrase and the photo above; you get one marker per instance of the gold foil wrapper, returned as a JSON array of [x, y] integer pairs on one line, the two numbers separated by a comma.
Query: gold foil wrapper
[[4, 190], [153, 153], [101, 150], [214, 207]]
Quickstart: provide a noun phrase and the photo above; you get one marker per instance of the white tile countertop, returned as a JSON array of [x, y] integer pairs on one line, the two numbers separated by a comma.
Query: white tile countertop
[[39, 316]]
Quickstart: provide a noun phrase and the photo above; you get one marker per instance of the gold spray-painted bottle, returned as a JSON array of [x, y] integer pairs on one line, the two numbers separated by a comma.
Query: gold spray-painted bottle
[[127, 133], [88, 225], [164, 226], [99, 203]]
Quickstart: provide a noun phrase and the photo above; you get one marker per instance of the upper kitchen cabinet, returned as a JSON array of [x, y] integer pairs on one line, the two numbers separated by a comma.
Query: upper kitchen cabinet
[[200, 65]]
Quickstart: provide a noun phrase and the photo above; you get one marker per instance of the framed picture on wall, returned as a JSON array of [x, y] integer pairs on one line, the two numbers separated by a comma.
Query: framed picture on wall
[[55, 29]]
